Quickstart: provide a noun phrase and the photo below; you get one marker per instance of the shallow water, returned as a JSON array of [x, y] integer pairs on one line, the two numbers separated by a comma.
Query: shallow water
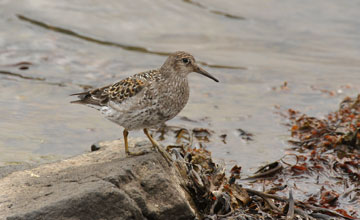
[[50, 49]]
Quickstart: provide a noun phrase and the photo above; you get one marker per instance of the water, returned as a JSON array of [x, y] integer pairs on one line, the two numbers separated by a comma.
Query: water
[[50, 49]]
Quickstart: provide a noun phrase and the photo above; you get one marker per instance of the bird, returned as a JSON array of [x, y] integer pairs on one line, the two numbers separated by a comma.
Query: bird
[[147, 99]]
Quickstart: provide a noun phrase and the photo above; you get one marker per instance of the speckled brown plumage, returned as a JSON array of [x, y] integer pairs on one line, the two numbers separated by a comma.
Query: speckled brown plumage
[[117, 92], [146, 99]]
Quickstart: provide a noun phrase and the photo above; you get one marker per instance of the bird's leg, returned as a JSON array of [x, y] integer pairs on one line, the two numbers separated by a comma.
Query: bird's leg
[[157, 146], [154, 143], [126, 133]]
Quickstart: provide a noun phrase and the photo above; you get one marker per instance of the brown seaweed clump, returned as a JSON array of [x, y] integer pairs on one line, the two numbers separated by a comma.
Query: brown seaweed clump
[[322, 182]]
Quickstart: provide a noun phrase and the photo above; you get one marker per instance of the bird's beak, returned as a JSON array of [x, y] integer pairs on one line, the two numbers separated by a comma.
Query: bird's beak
[[203, 72]]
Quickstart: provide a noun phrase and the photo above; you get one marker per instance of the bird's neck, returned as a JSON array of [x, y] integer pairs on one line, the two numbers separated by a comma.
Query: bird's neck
[[177, 80]]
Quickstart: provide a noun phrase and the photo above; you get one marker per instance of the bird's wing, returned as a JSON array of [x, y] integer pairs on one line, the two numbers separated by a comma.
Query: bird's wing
[[117, 92]]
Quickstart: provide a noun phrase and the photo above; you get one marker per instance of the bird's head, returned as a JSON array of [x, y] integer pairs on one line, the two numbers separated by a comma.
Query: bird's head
[[182, 63]]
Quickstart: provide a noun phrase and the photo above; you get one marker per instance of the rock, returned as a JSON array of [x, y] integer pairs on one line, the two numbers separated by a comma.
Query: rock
[[6, 170], [104, 184]]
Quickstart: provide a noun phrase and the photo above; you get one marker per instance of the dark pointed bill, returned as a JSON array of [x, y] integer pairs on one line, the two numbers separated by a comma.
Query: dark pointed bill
[[203, 72]]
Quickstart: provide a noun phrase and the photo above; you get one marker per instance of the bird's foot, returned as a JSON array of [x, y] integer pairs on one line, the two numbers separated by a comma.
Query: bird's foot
[[128, 153], [155, 144], [164, 153]]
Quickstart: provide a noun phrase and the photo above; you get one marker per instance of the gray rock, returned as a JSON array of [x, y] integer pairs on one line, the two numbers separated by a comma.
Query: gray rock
[[6, 170], [104, 184]]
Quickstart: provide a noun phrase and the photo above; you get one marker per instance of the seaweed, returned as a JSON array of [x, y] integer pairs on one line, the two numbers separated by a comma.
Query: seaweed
[[318, 178]]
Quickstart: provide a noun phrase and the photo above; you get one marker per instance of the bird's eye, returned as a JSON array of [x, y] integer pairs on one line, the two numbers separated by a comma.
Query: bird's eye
[[185, 60]]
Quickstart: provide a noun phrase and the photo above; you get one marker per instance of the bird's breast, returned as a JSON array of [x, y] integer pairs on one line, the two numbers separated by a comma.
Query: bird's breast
[[172, 97]]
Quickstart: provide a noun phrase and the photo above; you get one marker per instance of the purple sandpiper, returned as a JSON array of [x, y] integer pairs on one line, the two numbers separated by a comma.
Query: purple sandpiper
[[146, 99]]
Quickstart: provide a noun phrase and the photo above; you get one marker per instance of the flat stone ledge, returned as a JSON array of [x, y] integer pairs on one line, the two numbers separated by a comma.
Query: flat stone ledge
[[103, 184]]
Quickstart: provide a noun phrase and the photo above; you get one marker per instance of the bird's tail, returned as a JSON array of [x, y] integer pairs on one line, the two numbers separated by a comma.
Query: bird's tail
[[92, 97], [83, 96]]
